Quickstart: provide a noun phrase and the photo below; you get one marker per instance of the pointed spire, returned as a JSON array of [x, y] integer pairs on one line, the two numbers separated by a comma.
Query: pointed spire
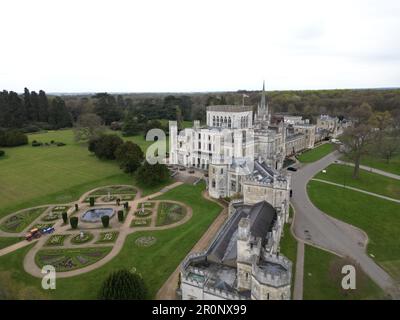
[[262, 106]]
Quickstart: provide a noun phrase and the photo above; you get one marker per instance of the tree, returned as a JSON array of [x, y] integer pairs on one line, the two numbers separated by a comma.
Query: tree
[[12, 138], [104, 147], [123, 285], [43, 105], [130, 156], [106, 108], [387, 147], [88, 126], [131, 126], [59, 117], [152, 175], [356, 141]]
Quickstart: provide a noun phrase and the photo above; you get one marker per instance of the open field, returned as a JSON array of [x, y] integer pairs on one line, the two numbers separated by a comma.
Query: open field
[[316, 153], [375, 162], [323, 277], [155, 263], [379, 218], [5, 242], [32, 176], [368, 181]]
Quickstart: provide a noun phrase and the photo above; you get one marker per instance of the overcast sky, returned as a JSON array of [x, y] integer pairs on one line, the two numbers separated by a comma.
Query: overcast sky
[[173, 45]]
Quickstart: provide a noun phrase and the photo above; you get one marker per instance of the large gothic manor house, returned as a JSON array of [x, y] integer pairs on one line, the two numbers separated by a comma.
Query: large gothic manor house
[[243, 153]]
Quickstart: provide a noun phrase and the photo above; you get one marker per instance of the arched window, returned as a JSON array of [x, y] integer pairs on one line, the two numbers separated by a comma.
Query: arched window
[[213, 121], [230, 122]]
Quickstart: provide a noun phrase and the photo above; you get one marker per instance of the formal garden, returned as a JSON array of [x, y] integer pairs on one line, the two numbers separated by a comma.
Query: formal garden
[[70, 259]]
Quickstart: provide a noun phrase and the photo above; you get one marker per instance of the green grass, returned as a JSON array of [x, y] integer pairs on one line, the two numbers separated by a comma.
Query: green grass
[[33, 176], [316, 153], [322, 278], [378, 163], [169, 213], [154, 263], [368, 181], [5, 242], [108, 237], [87, 236], [56, 240], [140, 223], [379, 218]]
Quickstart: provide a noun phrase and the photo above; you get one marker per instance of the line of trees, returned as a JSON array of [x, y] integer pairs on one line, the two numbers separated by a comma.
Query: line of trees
[[33, 111]]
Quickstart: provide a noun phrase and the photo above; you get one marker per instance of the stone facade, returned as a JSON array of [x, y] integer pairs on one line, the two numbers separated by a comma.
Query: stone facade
[[243, 261]]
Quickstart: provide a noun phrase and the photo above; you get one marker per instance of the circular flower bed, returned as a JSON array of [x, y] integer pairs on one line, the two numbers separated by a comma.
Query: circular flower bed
[[146, 241], [144, 213], [82, 238]]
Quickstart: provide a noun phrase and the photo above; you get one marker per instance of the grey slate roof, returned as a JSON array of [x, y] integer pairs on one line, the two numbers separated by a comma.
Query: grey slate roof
[[262, 218]]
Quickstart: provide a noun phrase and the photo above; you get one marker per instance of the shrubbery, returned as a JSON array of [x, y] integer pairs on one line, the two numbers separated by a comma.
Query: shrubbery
[[104, 147], [2, 153], [91, 201], [105, 220], [12, 138], [65, 217], [73, 222], [130, 156], [123, 285], [120, 215], [152, 175]]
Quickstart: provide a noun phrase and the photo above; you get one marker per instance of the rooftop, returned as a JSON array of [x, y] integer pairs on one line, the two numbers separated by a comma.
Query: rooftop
[[230, 108]]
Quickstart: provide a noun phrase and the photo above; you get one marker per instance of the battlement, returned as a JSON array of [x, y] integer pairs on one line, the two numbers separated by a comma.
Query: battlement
[[223, 293]]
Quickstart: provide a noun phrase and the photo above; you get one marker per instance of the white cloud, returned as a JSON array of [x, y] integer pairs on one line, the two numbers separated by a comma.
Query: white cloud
[[181, 45]]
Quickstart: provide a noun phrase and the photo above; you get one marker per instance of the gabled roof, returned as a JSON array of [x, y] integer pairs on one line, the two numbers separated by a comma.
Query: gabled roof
[[262, 217]]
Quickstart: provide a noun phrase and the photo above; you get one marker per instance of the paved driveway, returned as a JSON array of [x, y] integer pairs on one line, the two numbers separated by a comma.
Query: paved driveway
[[315, 227]]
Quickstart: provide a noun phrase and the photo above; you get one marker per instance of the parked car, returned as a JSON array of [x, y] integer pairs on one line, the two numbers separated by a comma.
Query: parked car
[[48, 230], [33, 234], [291, 169]]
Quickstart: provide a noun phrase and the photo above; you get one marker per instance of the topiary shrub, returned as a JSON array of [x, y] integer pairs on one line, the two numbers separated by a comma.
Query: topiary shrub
[[126, 205], [123, 285], [65, 217], [73, 222], [91, 201], [76, 207], [36, 143], [105, 220], [120, 215], [2, 153]]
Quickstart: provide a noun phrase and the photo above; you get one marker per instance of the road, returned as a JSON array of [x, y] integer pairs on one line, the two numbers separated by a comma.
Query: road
[[316, 228]]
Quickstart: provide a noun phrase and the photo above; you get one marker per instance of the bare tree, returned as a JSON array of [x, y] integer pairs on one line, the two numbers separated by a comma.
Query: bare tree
[[357, 139], [89, 125]]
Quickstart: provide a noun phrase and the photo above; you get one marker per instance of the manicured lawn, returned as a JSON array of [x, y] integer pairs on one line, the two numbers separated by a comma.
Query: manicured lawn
[[368, 181], [155, 263], [5, 242], [32, 176], [316, 153], [379, 218], [323, 277], [374, 161]]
